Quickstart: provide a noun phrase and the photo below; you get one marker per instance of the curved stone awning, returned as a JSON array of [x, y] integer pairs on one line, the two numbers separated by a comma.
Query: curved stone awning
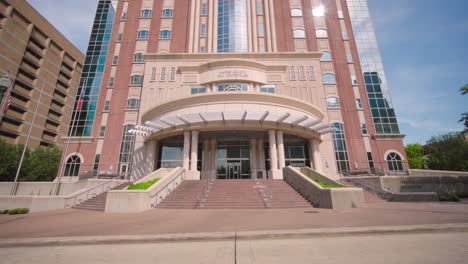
[[169, 123]]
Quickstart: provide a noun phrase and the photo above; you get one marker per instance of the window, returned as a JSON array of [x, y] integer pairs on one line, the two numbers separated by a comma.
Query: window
[[146, 13], [364, 129], [119, 36], [232, 87], [340, 14], [167, 13], [202, 49], [394, 162], [204, 9], [370, 159], [138, 57], [333, 102], [329, 78], [261, 32], [321, 33], [267, 88], [296, 12], [106, 106], [136, 80], [232, 26], [97, 159], [345, 35], [341, 151], [259, 7], [165, 34], [326, 56], [299, 33], [354, 79], [318, 11], [102, 131], [72, 168], [115, 60], [111, 82], [133, 104], [198, 90], [124, 16], [349, 57], [126, 149], [143, 34], [358, 103], [203, 30]]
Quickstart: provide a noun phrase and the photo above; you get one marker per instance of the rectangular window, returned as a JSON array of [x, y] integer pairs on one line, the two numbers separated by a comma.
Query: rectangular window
[[267, 89], [138, 57], [364, 129], [370, 159], [260, 7], [202, 49], [106, 106], [165, 34], [261, 32], [358, 103], [102, 131], [340, 14], [115, 60], [111, 82], [97, 160], [345, 35], [349, 57], [354, 79], [197, 90], [203, 30], [119, 36], [204, 9], [124, 16]]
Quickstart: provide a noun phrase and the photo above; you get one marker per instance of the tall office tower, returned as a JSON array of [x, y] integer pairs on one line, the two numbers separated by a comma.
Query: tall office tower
[[36, 57], [238, 89]]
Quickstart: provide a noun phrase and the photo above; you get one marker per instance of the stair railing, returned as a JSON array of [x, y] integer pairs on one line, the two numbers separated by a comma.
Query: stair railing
[[167, 189], [201, 197], [86, 194]]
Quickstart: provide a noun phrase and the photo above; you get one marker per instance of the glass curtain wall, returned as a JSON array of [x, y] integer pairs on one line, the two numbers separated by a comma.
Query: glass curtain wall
[[232, 26]]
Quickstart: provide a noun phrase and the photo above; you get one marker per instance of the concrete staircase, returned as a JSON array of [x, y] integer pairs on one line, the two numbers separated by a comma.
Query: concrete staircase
[[234, 194], [98, 203], [369, 197]]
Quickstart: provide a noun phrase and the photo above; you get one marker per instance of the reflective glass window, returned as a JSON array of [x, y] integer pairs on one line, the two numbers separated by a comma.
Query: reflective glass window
[[329, 78], [165, 34], [167, 13], [299, 33], [296, 12]]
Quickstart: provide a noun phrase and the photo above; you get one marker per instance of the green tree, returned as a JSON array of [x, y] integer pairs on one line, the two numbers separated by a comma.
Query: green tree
[[42, 164], [9, 159], [464, 118], [415, 155], [448, 152]]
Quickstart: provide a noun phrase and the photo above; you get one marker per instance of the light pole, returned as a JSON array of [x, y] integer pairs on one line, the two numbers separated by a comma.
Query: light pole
[[6, 82]]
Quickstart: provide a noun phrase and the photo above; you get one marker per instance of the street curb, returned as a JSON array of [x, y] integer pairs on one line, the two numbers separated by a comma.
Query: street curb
[[245, 235]]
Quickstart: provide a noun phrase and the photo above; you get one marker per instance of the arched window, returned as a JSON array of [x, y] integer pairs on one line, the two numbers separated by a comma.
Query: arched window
[[233, 87], [329, 78], [296, 12], [394, 162], [167, 13], [133, 104], [143, 34], [146, 13], [326, 56], [165, 34], [72, 168], [136, 80], [321, 33], [333, 102], [341, 152], [299, 33]]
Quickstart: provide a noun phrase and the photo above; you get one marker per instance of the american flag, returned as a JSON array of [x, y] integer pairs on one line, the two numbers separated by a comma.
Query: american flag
[[8, 100], [80, 101]]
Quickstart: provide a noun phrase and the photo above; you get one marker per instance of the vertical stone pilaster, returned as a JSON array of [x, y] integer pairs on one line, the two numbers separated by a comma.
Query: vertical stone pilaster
[[194, 151], [186, 160], [253, 158], [280, 142]]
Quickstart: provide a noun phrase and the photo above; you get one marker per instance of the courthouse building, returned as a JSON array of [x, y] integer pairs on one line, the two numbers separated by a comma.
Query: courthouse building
[[231, 89]]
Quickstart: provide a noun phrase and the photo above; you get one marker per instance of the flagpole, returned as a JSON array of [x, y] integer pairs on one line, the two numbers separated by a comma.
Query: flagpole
[[13, 188], [64, 160]]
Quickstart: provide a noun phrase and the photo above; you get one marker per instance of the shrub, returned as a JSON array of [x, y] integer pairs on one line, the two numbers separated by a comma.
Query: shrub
[[23, 210], [13, 211], [5, 211], [143, 185], [449, 197]]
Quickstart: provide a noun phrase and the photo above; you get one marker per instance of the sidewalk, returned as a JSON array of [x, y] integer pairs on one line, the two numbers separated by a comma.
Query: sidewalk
[[77, 223]]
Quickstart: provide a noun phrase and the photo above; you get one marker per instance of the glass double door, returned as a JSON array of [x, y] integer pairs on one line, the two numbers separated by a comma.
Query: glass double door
[[233, 160]]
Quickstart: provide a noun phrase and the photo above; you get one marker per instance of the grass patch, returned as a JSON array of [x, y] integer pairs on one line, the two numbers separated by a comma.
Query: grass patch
[[15, 211], [325, 184], [143, 185], [452, 196]]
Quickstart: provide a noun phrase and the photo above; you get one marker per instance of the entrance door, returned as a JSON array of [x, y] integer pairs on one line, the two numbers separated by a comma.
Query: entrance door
[[233, 170]]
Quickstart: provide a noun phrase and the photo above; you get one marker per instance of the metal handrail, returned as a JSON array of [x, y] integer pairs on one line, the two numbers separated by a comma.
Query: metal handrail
[[87, 191], [201, 196], [180, 175]]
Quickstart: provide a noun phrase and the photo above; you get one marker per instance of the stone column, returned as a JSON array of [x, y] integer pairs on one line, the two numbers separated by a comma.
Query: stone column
[[213, 158], [315, 146], [194, 151], [281, 158], [273, 152], [261, 157], [253, 158], [186, 160], [206, 158], [156, 155]]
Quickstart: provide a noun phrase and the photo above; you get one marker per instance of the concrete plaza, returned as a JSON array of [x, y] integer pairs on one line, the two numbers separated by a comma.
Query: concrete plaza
[[72, 222]]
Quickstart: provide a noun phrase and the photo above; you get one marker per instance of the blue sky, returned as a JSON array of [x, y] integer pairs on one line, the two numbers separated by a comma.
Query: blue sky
[[423, 44]]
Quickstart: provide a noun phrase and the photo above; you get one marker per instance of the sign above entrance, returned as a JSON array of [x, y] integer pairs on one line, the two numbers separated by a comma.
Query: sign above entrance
[[232, 74]]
